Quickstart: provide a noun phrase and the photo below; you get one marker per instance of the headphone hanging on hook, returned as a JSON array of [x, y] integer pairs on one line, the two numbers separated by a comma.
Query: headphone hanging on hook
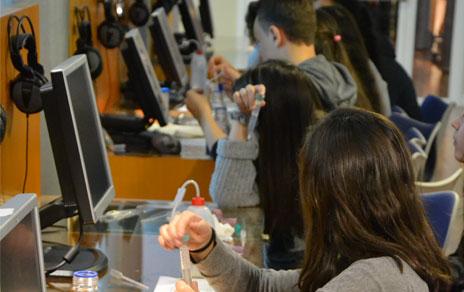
[[25, 88], [139, 13], [84, 43], [110, 32]]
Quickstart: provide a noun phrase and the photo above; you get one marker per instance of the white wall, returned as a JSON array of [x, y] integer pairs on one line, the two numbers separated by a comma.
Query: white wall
[[229, 17], [456, 78], [54, 39]]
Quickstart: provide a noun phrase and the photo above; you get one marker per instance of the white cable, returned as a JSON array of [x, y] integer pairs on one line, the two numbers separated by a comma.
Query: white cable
[[181, 193]]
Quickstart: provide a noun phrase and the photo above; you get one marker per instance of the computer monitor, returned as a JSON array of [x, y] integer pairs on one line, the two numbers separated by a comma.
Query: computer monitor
[[168, 5], [142, 78], [167, 50], [21, 259], [81, 162], [191, 21], [77, 141], [206, 17]]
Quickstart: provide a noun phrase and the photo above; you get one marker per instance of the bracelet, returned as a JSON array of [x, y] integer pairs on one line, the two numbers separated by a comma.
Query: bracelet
[[240, 117], [211, 241]]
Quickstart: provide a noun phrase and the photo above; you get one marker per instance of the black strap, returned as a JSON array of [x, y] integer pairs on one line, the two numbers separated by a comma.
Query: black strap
[[211, 241]]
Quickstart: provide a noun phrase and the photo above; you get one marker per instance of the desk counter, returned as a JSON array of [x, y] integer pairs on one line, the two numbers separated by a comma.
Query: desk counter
[[131, 245], [157, 177]]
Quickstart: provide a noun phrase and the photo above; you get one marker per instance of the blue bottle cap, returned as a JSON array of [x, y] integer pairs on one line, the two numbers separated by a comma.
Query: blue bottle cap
[[85, 274], [165, 90]]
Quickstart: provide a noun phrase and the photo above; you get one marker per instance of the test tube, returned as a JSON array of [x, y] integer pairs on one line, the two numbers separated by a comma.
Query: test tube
[[185, 264], [254, 115]]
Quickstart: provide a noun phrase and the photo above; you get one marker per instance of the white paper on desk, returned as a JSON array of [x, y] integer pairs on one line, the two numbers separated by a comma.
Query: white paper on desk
[[168, 284], [6, 212]]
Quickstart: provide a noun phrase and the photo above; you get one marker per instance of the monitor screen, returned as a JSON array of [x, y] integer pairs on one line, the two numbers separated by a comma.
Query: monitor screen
[[167, 50], [21, 259], [191, 21], [142, 78], [206, 17], [77, 139]]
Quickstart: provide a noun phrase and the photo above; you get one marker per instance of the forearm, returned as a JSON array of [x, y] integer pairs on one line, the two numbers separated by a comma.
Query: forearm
[[238, 131], [227, 271], [211, 129]]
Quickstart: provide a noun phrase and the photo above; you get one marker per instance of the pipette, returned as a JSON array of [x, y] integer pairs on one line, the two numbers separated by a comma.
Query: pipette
[[254, 115], [120, 276], [185, 264]]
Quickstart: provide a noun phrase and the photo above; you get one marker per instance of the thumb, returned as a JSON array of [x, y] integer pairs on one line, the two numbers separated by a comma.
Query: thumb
[[181, 286]]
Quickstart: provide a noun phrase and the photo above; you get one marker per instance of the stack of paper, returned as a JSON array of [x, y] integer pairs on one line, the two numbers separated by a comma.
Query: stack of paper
[[168, 284]]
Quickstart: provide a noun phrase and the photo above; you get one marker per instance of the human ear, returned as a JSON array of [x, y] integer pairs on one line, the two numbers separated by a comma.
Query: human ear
[[277, 35]]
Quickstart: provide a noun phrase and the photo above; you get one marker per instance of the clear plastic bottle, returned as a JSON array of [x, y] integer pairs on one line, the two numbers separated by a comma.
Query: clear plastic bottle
[[85, 281], [220, 109], [199, 71], [198, 207]]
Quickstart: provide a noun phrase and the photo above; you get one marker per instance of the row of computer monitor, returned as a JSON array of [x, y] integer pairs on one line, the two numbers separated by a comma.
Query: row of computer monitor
[[76, 134]]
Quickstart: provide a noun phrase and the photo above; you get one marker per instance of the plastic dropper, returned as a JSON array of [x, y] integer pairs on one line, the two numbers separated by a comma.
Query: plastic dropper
[[120, 276], [254, 115]]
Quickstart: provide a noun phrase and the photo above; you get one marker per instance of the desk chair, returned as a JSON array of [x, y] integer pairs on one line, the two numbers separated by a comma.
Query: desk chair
[[445, 215], [454, 182], [418, 158], [414, 135], [433, 109], [399, 110]]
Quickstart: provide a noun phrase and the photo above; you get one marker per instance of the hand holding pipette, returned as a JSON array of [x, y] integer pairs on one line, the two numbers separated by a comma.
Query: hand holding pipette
[[250, 100], [186, 223]]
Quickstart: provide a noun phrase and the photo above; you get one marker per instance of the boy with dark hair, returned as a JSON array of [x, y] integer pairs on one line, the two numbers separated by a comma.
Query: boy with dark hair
[[285, 30]]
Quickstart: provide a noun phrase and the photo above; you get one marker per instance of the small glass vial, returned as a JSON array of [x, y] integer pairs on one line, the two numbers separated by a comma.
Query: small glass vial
[[85, 281]]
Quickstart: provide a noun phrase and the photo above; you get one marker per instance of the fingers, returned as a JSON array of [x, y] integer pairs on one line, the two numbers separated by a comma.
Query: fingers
[[261, 89], [165, 239], [171, 235], [181, 286], [245, 98]]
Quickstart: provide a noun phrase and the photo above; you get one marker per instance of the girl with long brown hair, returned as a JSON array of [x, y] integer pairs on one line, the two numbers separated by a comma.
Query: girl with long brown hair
[[365, 225]]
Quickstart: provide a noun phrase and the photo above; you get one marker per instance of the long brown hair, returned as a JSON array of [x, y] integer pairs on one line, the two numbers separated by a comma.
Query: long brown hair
[[331, 43], [359, 201], [291, 102]]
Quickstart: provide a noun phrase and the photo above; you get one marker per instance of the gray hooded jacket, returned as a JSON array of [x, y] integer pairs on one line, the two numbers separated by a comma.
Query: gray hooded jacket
[[333, 81]]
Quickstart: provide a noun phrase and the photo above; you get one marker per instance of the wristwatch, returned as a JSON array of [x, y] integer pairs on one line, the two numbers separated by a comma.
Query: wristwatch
[[240, 117]]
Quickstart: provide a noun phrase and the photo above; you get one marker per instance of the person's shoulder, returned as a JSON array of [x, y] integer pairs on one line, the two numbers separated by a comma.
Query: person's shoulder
[[376, 274]]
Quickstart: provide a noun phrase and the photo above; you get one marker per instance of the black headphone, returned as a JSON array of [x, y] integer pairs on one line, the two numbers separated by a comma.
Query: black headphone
[[110, 31], [139, 13], [3, 123], [25, 88], [84, 43]]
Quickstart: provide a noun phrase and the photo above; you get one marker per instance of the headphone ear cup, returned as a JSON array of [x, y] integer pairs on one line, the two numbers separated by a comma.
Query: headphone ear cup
[[25, 93], [3, 123], [110, 34], [94, 59], [139, 13]]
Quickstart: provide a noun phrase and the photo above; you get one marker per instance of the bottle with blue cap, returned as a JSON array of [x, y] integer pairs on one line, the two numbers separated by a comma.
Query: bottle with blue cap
[[85, 281]]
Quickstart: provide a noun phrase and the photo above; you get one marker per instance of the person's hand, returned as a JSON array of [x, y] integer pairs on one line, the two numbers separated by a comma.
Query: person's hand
[[197, 104], [181, 286], [226, 74], [245, 97], [185, 223]]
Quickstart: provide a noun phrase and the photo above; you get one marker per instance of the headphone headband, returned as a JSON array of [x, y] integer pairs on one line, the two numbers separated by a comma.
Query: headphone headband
[[108, 5], [23, 40]]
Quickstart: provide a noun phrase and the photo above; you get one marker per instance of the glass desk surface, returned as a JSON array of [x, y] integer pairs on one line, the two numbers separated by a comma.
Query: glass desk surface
[[129, 238]]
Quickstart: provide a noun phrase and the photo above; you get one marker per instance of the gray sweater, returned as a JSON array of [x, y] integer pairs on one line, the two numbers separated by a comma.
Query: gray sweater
[[225, 270], [333, 81], [382, 87], [233, 181]]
